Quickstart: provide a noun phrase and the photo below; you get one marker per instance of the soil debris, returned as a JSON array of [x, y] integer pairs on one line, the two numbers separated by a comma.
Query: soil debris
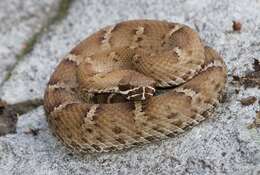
[[248, 100]]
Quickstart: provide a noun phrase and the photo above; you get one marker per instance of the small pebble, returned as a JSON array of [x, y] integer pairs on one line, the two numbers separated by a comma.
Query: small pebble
[[237, 26], [248, 100]]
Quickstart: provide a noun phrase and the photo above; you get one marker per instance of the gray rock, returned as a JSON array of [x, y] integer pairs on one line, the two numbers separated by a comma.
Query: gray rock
[[20, 20], [222, 144]]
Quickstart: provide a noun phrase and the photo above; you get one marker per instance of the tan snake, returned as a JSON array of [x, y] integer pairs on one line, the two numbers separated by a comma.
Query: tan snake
[[133, 83]]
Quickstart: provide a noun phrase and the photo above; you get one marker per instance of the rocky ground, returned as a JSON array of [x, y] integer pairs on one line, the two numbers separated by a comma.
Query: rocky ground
[[36, 34]]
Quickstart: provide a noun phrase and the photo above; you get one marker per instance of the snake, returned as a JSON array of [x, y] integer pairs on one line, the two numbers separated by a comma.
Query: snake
[[133, 83]]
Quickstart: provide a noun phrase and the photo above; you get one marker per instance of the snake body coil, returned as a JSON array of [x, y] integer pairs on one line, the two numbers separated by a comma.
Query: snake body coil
[[133, 83]]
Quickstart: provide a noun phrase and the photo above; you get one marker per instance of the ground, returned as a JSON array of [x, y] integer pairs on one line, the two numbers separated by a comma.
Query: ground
[[223, 144]]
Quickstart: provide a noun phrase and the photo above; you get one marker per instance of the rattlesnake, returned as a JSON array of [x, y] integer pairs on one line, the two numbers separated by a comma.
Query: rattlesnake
[[133, 83]]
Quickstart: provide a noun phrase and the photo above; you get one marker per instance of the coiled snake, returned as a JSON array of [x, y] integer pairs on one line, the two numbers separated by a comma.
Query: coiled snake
[[133, 83]]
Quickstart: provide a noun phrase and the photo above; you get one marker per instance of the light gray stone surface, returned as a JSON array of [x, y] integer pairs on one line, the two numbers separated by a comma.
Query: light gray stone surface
[[20, 20], [221, 145]]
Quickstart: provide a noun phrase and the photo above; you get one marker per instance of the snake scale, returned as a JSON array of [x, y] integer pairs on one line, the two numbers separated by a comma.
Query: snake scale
[[133, 83]]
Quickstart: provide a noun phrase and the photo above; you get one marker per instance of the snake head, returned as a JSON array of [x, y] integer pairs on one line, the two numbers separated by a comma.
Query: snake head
[[137, 93], [137, 88]]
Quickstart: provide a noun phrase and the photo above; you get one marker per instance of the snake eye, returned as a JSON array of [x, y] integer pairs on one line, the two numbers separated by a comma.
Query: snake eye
[[124, 87]]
